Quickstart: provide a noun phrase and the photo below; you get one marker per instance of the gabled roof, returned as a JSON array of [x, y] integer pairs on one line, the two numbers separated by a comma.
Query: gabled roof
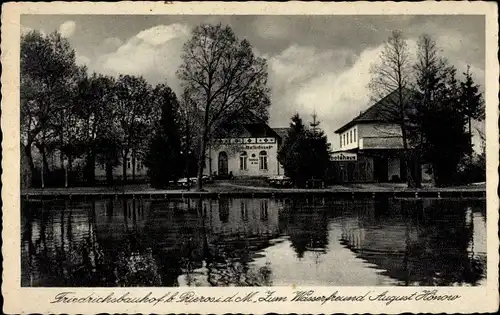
[[248, 125], [282, 132], [384, 110], [259, 130]]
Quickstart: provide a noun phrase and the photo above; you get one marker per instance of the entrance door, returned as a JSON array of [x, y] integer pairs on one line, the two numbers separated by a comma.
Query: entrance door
[[222, 163], [380, 169]]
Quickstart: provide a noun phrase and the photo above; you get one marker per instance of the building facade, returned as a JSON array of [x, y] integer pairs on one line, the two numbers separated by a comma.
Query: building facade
[[251, 150], [134, 169]]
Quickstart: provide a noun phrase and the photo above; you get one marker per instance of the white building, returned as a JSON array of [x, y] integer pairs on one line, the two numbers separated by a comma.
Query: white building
[[248, 150], [374, 141], [139, 173]]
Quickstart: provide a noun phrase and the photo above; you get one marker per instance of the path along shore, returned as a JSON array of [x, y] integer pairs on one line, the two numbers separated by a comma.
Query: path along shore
[[234, 189]]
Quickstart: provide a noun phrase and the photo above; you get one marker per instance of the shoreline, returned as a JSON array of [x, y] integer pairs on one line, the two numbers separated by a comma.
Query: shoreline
[[217, 191]]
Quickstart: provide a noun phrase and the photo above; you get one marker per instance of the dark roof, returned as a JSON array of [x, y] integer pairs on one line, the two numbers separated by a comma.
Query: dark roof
[[384, 110], [259, 130], [248, 125], [282, 132]]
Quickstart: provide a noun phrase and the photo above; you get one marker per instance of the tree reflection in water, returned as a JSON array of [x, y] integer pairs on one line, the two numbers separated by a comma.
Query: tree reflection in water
[[306, 222], [423, 242], [230, 242]]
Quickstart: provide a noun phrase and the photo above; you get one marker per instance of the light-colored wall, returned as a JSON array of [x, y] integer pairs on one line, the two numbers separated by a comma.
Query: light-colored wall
[[140, 170], [353, 134], [351, 139], [254, 216], [379, 130], [253, 146]]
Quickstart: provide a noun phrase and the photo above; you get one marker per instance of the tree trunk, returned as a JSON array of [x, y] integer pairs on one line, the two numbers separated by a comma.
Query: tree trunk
[[90, 167], [109, 173], [406, 156], [209, 162], [29, 157], [133, 165], [124, 167], [45, 161], [470, 135], [402, 118], [42, 176], [45, 164], [61, 139], [201, 162], [68, 170]]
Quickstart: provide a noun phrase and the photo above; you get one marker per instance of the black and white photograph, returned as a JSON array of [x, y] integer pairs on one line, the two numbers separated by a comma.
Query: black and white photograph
[[253, 150]]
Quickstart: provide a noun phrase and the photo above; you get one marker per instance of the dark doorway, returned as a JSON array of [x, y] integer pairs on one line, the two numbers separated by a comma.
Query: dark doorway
[[222, 163], [380, 168]]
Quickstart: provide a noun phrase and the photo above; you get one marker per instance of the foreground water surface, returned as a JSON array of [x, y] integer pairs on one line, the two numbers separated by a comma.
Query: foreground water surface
[[253, 242]]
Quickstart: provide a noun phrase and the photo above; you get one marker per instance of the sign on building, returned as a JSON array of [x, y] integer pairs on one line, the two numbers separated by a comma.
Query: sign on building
[[343, 157]]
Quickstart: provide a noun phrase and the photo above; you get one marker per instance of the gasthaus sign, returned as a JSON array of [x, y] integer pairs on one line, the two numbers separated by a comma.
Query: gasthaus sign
[[343, 157]]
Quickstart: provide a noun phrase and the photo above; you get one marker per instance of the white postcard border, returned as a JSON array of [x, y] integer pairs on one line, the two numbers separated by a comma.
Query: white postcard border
[[38, 300]]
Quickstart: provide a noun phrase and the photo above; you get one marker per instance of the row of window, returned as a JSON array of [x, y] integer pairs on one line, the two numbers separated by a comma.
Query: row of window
[[348, 137], [262, 160], [224, 210]]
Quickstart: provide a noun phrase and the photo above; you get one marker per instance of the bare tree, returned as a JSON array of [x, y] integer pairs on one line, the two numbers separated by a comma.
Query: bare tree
[[190, 124], [390, 83], [223, 78]]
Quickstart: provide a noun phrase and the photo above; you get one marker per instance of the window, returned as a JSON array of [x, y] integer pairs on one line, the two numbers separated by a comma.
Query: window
[[243, 161], [263, 160], [351, 137], [354, 135], [128, 162], [348, 140], [340, 141]]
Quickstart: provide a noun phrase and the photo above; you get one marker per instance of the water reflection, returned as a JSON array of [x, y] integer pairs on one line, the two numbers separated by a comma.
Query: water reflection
[[253, 242]]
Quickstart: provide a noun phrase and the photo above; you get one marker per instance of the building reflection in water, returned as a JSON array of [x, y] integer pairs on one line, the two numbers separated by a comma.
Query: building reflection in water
[[248, 242]]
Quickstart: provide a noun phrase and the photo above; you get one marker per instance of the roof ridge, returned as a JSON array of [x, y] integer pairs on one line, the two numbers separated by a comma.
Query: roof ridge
[[377, 113]]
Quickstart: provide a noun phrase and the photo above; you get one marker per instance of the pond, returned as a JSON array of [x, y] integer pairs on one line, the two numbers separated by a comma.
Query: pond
[[253, 242]]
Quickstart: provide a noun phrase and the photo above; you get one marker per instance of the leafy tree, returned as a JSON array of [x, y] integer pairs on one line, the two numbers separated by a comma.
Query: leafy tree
[[305, 152], [443, 129], [319, 150], [163, 158], [223, 78], [288, 155], [472, 102], [438, 121], [47, 72], [392, 75], [96, 101], [107, 150], [135, 113], [430, 73]]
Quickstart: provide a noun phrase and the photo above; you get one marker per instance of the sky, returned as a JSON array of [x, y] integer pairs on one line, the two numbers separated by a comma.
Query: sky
[[316, 63]]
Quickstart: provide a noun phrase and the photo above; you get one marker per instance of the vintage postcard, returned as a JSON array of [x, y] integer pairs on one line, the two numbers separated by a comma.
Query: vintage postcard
[[254, 157]]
